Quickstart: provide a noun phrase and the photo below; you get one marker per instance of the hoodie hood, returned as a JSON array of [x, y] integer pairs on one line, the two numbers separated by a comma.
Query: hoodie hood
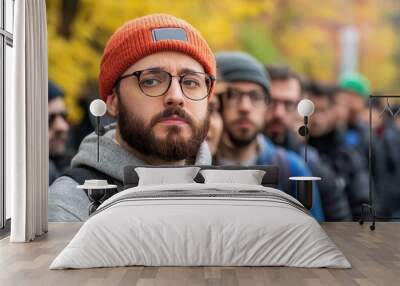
[[113, 158]]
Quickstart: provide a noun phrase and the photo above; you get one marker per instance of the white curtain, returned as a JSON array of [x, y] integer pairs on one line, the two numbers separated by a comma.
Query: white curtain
[[26, 123]]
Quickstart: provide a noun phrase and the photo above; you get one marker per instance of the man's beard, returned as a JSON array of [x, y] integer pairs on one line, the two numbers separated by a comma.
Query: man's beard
[[240, 141], [277, 137], [173, 147]]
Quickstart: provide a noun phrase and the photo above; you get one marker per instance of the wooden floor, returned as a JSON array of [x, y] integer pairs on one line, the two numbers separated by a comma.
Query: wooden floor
[[374, 255]]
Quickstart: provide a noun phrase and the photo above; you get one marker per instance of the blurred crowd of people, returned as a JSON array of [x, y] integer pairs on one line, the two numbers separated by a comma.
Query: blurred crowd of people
[[250, 124], [253, 120]]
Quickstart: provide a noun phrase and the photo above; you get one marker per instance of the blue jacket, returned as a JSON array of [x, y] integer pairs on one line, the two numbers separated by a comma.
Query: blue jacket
[[290, 164]]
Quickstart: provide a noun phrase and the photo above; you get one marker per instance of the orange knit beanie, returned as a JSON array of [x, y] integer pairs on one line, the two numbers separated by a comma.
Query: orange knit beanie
[[147, 35]]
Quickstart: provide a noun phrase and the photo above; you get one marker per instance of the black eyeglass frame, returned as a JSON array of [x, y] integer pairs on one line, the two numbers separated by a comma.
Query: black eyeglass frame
[[137, 74], [229, 91]]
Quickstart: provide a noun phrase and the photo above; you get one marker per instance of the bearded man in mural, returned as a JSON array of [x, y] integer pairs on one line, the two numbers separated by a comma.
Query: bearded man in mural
[[156, 75]]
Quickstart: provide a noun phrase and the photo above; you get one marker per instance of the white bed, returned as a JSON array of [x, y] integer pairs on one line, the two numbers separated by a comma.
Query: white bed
[[201, 224]]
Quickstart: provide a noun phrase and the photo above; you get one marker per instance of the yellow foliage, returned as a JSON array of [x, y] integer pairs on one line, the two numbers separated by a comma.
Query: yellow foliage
[[376, 61], [74, 62], [302, 33], [300, 46]]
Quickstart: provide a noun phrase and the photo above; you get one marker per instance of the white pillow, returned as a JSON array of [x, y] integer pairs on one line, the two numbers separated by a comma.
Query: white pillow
[[162, 176], [249, 177]]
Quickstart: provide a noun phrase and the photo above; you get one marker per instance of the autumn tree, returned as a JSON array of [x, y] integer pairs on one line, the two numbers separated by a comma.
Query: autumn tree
[[302, 33]]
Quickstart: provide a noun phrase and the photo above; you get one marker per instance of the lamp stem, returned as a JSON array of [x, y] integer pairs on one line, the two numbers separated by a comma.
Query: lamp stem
[[305, 148], [98, 137]]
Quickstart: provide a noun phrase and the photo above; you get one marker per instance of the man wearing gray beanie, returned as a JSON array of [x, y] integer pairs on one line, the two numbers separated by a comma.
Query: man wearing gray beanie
[[244, 105]]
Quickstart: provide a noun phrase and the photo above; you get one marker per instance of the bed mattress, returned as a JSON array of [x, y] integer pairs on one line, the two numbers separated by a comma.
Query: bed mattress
[[201, 225]]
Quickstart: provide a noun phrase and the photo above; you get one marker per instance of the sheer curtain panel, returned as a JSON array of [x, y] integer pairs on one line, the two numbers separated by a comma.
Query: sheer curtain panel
[[26, 124]]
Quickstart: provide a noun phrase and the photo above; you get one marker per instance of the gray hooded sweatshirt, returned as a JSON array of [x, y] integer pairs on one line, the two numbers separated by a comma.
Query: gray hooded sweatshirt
[[67, 203]]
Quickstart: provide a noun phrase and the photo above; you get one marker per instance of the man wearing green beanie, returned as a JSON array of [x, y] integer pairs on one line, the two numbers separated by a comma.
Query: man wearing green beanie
[[355, 88], [353, 93]]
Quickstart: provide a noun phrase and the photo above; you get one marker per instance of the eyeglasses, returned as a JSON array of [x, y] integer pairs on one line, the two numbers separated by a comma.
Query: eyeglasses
[[289, 105], [154, 82], [234, 96], [53, 116]]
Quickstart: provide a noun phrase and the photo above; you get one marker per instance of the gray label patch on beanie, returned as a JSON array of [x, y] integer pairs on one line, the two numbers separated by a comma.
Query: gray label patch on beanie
[[162, 34]]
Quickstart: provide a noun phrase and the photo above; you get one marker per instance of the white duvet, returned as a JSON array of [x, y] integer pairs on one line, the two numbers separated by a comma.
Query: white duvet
[[201, 224]]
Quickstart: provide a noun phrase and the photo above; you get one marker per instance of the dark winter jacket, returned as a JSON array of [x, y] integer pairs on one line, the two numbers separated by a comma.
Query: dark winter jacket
[[348, 165]]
